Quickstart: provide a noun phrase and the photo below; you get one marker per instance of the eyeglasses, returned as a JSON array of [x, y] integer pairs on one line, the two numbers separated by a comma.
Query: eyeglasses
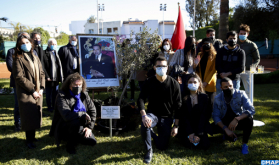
[[163, 66]]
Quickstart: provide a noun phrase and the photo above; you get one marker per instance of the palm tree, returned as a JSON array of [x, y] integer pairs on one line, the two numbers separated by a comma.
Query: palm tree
[[224, 19], [18, 27]]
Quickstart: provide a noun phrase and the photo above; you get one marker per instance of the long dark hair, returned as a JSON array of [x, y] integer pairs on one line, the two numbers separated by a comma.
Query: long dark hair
[[18, 51], [211, 52], [186, 89], [162, 45], [71, 79], [189, 44]]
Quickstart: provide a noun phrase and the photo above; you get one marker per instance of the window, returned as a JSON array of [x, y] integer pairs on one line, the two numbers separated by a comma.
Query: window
[[109, 30], [91, 31], [140, 29], [115, 30], [100, 30]]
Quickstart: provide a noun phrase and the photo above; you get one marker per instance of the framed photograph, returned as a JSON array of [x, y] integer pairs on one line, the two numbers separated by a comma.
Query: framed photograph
[[98, 60]]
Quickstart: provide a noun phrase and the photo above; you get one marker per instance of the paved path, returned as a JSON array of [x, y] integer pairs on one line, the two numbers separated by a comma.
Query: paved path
[[4, 72]]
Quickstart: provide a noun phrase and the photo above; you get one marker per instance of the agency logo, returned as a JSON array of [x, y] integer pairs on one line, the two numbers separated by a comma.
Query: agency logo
[[269, 162]]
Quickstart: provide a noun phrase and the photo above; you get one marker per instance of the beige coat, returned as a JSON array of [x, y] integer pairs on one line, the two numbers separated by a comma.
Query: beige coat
[[30, 109]]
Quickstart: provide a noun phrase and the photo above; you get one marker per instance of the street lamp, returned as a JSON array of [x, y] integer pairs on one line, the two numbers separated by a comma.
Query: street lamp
[[163, 8], [101, 8]]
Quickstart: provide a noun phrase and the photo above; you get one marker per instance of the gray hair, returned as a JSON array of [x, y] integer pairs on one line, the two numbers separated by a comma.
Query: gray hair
[[52, 40], [70, 37], [23, 33]]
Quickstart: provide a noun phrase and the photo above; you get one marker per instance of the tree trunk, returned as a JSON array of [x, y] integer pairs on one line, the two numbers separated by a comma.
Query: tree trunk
[[224, 19], [126, 85]]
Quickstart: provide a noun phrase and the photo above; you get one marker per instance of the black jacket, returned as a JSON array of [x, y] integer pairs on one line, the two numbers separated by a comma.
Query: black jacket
[[185, 126], [105, 66], [67, 55], [47, 64], [230, 61], [9, 62], [63, 113]]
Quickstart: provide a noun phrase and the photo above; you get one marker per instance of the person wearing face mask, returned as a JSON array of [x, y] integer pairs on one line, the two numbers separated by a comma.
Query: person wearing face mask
[[230, 61], [251, 51], [193, 121], [74, 114], [37, 41], [232, 110], [9, 62], [186, 59], [206, 70], [217, 43], [164, 102], [166, 51], [30, 83], [53, 72], [68, 54]]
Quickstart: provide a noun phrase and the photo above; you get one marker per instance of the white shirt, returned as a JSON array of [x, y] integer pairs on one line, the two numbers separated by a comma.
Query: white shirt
[[99, 57]]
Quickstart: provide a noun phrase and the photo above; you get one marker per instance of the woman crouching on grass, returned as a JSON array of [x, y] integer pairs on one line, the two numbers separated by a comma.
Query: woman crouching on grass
[[193, 123], [30, 83]]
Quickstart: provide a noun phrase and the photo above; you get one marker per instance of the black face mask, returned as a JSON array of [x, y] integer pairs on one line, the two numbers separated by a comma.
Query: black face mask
[[76, 90], [232, 43], [228, 92], [206, 47]]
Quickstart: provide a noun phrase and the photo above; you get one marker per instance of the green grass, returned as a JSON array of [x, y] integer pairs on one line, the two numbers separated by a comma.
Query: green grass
[[5, 83], [128, 148]]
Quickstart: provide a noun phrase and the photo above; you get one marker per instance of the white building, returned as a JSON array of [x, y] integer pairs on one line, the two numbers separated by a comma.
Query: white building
[[6, 32], [77, 27], [112, 27]]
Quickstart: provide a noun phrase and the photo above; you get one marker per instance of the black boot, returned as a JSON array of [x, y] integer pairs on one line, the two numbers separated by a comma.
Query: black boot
[[148, 156], [17, 127]]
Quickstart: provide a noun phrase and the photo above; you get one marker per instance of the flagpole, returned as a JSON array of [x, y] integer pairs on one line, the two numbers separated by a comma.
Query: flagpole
[[194, 18]]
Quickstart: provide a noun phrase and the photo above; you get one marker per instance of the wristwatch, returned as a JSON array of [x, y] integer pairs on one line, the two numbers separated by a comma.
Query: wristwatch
[[176, 126]]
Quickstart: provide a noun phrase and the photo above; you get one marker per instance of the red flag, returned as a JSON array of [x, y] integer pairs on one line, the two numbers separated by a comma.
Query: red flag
[[179, 34]]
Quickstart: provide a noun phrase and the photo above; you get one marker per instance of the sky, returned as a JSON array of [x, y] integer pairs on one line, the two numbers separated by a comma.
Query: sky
[[60, 13]]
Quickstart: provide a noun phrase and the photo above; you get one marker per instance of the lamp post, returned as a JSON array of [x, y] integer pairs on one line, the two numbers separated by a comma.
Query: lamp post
[[97, 18], [102, 8], [194, 18], [163, 8]]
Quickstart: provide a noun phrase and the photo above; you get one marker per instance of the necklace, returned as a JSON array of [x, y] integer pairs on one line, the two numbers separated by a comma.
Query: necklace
[[193, 99]]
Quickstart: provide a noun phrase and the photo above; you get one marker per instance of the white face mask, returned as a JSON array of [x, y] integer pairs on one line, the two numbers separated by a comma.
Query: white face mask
[[74, 43], [193, 87], [166, 47], [161, 71]]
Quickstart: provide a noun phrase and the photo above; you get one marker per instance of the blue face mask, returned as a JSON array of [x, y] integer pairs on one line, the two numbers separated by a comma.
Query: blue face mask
[[242, 37], [26, 47], [53, 47], [37, 42]]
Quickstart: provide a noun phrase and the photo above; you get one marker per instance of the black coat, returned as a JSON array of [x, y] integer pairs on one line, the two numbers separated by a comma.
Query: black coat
[[67, 55], [105, 66], [64, 114], [9, 62], [185, 116], [47, 64]]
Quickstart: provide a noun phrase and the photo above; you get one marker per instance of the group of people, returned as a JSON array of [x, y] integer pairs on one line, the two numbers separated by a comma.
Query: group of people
[[34, 70], [207, 86], [207, 68]]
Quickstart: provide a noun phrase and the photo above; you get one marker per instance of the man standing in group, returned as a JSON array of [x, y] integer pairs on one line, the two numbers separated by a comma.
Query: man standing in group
[[100, 65], [230, 62], [251, 51], [217, 43], [69, 57], [39, 50], [232, 110], [163, 94], [9, 62]]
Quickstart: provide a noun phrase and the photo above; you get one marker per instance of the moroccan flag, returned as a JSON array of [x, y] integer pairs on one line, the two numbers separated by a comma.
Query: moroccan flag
[[179, 34]]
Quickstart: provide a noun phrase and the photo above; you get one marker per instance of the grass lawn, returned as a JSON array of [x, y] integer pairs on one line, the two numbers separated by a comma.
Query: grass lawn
[[128, 148]]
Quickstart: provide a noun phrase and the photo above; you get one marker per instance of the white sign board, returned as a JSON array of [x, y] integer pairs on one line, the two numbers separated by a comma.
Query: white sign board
[[110, 112]]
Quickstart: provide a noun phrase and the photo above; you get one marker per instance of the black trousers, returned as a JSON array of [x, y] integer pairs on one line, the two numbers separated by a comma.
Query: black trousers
[[210, 103], [246, 125], [30, 136], [74, 134], [132, 87]]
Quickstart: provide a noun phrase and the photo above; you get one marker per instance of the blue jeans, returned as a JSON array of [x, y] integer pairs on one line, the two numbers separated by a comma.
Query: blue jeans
[[50, 97], [236, 85], [16, 109], [164, 130]]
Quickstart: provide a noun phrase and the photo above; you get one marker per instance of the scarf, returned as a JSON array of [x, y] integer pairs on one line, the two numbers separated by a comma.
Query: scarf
[[79, 106], [53, 66], [35, 67]]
